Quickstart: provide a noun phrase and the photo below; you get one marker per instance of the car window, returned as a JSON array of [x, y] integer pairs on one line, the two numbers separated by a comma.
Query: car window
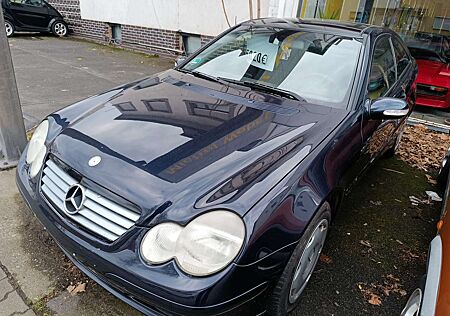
[[401, 56], [446, 45], [318, 67], [382, 74]]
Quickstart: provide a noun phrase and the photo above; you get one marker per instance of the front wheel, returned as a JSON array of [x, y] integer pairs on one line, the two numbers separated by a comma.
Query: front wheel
[[10, 29], [60, 29], [298, 271]]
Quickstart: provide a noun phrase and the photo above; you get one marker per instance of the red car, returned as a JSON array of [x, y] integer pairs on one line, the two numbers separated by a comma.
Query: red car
[[432, 53]]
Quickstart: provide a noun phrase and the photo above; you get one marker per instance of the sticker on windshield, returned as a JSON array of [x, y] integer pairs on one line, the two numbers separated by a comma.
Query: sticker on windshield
[[196, 61], [264, 54]]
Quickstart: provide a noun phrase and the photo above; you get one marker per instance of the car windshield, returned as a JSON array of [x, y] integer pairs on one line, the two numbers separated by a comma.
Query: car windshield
[[312, 66], [428, 46]]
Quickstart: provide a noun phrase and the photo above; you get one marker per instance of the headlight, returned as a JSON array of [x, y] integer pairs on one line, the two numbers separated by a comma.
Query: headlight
[[205, 246], [36, 149]]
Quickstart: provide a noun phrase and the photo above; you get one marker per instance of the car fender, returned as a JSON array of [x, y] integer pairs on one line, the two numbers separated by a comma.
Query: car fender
[[7, 16], [277, 222], [56, 19]]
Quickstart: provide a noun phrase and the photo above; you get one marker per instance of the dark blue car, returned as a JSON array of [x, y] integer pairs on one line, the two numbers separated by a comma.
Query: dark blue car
[[210, 188]]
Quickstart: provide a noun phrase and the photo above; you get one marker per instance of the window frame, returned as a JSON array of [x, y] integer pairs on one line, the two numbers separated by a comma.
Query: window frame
[[371, 58], [397, 40]]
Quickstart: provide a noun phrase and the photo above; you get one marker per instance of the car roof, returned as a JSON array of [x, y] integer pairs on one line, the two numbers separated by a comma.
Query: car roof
[[349, 28]]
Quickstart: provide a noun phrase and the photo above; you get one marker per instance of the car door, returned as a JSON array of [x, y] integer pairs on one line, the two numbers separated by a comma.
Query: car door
[[406, 75], [30, 14], [383, 81]]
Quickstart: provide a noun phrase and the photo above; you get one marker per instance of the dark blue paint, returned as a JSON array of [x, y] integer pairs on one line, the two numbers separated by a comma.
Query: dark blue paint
[[170, 151]]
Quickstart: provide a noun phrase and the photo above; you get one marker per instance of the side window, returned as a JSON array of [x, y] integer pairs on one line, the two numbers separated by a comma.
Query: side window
[[401, 56], [382, 74]]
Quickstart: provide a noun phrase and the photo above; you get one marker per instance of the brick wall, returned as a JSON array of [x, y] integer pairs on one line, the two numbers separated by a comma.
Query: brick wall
[[148, 40], [151, 40], [70, 9]]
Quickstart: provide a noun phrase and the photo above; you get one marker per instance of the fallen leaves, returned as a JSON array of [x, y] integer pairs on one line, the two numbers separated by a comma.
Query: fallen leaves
[[431, 180], [76, 289], [326, 259], [423, 148], [375, 300], [374, 293]]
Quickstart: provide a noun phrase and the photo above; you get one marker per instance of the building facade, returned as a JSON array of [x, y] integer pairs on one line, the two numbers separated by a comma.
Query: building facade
[[174, 27]]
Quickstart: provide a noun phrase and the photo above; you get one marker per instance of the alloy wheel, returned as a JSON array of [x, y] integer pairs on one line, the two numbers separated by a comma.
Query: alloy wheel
[[308, 261], [9, 28], [60, 29]]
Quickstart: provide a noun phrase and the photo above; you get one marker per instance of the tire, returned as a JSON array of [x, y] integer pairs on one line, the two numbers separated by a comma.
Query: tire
[[286, 295], [10, 28], [60, 28]]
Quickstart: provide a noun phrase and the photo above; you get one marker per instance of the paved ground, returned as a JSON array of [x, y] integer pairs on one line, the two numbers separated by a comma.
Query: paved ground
[[433, 115], [377, 245], [52, 73]]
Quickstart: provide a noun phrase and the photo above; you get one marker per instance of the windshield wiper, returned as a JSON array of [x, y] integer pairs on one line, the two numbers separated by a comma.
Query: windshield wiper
[[266, 88], [202, 75]]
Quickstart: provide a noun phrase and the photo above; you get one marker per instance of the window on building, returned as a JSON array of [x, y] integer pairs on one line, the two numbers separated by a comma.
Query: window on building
[[314, 9], [158, 105], [382, 74], [116, 33], [125, 107], [219, 112], [441, 23], [191, 43]]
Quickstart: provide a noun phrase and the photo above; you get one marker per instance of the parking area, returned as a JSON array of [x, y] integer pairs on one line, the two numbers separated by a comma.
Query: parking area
[[375, 254], [52, 73]]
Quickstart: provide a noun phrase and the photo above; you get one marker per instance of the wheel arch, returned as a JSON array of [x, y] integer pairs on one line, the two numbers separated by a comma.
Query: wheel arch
[[53, 21]]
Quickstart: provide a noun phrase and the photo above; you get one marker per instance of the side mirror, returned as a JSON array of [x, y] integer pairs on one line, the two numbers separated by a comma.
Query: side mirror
[[180, 60], [388, 108]]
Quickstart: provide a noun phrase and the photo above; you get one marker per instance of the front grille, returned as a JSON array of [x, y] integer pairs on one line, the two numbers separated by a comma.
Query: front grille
[[98, 214], [423, 89]]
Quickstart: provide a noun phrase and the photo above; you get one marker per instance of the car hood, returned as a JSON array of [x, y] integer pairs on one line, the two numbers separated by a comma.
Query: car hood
[[433, 73], [174, 138]]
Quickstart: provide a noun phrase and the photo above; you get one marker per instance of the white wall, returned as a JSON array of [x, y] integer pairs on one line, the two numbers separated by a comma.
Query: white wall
[[193, 16]]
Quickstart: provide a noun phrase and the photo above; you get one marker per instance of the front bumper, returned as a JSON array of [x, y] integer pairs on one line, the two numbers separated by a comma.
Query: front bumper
[[153, 290], [434, 102]]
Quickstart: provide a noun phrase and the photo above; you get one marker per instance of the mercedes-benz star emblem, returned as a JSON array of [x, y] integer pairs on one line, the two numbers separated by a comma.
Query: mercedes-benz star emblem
[[94, 161], [74, 199]]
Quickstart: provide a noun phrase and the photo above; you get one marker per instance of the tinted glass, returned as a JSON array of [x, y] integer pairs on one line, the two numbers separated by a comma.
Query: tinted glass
[[428, 46], [382, 74], [401, 56], [318, 67]]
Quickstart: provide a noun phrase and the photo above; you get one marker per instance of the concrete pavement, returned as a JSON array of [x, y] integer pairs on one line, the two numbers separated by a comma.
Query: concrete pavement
[[52, 73], [10, 301]]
